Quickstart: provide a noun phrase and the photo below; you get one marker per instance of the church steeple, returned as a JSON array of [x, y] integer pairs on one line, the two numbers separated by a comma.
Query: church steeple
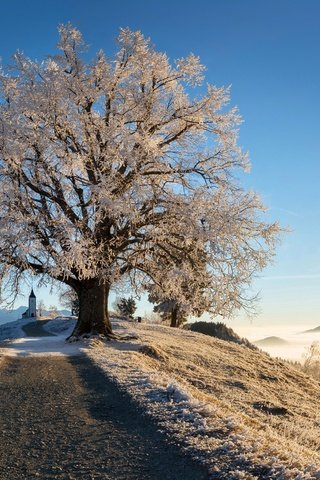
[[32, 311]]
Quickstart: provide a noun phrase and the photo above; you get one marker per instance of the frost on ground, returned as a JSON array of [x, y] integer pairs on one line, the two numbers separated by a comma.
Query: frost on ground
[[60, 325], [237, 410], [15, 342], [242, 413], [12, 330]]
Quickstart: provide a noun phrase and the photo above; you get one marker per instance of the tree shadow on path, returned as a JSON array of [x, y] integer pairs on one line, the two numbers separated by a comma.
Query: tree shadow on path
[[61, 418], [134, 448], [35, 329]]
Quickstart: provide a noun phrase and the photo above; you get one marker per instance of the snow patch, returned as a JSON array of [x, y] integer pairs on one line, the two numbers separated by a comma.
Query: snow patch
[[16, 342]]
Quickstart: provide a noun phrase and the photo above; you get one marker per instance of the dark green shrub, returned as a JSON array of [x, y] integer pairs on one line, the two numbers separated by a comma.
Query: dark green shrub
[[218, 330]]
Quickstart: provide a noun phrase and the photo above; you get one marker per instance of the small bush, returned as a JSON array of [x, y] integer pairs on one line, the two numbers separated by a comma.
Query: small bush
[[311, 364]]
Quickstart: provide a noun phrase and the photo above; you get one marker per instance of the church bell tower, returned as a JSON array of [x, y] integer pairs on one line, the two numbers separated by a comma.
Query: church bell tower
[[32, 304]]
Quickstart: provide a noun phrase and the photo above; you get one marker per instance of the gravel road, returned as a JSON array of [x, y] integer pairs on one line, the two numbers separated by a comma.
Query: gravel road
[[60, 418]]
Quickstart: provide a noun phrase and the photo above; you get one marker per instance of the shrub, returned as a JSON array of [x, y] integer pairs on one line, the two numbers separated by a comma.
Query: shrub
[[218, 330]]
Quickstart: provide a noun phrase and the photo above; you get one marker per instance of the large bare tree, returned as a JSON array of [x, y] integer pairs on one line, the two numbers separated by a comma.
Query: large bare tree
[[107, 168]]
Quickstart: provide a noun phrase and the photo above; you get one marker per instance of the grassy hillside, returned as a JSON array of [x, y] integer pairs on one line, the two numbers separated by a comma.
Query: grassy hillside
[[241, 412]]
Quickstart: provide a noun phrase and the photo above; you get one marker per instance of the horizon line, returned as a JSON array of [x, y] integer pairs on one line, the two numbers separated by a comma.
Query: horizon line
[[291, 277]]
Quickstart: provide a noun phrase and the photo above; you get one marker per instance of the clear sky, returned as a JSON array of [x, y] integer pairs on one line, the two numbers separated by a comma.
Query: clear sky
[[269, 52]]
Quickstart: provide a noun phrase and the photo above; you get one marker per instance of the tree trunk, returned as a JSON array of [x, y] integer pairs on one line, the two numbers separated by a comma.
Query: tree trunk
[[174, 317], [93, 309]]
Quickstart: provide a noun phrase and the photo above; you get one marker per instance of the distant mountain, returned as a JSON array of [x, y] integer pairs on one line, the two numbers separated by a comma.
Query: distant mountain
[[271, 342], [61, 313], [11, 315], [313, 330], [7, 316]]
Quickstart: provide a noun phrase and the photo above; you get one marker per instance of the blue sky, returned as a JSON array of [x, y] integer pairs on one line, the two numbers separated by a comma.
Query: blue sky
[[269, 52]]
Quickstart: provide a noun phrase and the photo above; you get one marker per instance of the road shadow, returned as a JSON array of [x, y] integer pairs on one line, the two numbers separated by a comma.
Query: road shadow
[[148, 453], [35, 329]]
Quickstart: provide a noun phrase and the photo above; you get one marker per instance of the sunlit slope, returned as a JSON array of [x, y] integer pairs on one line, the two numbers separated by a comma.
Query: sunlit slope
[[239, 411], [249, 383]]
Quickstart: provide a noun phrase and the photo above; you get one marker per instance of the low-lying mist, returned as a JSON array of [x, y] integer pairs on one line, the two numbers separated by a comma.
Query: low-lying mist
[[288, 342]]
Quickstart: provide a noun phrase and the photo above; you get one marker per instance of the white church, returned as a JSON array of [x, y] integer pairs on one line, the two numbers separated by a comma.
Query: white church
[[32, 310]]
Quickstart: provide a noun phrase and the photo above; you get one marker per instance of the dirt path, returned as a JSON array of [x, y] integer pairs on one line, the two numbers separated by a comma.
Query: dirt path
[[60, 418], [35, 329]]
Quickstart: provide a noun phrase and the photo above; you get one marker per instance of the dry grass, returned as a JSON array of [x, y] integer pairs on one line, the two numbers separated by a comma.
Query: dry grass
[[255, 414]]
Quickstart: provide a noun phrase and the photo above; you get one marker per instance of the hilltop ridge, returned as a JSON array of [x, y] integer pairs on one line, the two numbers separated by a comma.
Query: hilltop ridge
[[316, 329], [271, 341]]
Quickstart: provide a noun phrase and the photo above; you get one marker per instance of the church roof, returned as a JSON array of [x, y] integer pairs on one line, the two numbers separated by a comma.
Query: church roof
[[32, 295]]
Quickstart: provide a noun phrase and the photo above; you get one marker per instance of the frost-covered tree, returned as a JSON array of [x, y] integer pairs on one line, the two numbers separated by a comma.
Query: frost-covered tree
[[127, 306], [311, 364], [181, 285], [52, 311], [171, 312], [41, 308], [106, 166], [69, 299]]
